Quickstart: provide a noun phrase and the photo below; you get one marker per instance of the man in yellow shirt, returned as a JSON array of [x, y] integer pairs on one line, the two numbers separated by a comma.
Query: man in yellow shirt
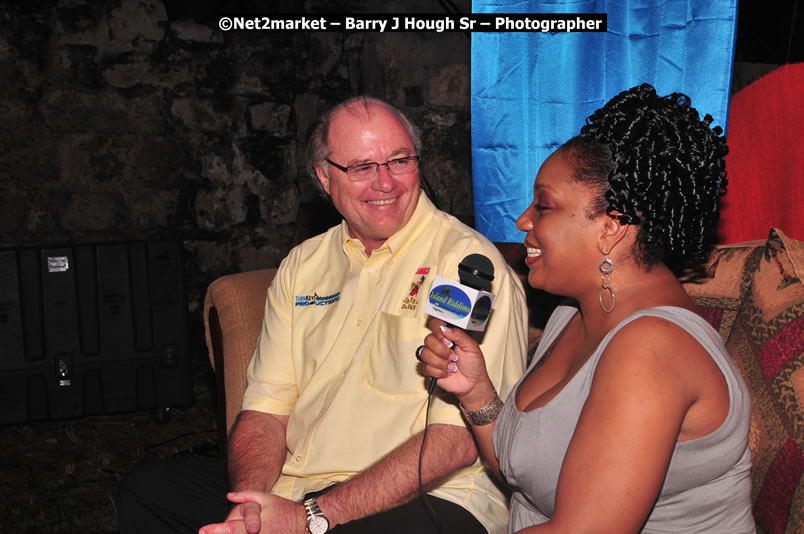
[[332, 421]]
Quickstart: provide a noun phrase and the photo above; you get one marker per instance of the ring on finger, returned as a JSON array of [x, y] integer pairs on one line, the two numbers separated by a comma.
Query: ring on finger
[[419, 352]]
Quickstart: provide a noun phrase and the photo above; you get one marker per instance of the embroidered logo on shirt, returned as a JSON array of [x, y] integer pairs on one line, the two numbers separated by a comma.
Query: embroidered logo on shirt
[[315, 300], [412, 300]]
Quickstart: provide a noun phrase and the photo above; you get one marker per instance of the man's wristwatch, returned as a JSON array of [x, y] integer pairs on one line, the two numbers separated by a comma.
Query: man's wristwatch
[[316, 522]]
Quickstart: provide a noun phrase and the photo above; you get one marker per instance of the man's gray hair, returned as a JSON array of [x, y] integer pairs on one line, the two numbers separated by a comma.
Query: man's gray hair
[[317, 147]]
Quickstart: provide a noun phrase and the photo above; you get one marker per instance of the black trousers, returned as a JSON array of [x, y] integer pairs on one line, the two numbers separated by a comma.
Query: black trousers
[[183, 494]]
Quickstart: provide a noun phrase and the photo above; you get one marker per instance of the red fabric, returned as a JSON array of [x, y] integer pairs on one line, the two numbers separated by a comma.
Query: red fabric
[[779, 351], [772, 505], [765, 164], [713, 316]]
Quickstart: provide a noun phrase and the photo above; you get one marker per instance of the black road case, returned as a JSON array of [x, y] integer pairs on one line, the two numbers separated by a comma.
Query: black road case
[[92, 329]]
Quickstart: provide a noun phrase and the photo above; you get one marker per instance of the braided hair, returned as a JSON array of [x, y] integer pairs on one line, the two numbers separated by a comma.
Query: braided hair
[[658, 166]]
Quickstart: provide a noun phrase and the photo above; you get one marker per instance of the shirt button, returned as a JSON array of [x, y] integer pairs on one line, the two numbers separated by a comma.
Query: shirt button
[[358, 322], [298, 459], [370, 271]]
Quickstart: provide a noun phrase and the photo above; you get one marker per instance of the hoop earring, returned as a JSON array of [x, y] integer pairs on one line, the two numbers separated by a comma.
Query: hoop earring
[[606, 267]]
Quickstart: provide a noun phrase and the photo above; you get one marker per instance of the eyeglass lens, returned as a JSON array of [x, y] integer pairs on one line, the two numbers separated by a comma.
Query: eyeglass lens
[[395, 166]]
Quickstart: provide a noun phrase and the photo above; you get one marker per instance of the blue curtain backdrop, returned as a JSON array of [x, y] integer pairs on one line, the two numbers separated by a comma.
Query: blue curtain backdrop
[[532, 91]]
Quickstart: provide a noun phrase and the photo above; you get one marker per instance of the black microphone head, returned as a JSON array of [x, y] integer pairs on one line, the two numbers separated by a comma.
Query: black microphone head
[[476, 271]]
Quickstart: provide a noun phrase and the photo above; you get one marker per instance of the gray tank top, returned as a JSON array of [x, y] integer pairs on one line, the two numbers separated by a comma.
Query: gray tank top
[[708, 484]]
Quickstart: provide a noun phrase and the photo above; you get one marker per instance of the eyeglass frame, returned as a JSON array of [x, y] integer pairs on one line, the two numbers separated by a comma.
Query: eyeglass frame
[[377, 166]]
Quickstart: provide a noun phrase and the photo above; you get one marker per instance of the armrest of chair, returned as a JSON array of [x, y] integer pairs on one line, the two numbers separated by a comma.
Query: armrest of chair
[[234, 307]]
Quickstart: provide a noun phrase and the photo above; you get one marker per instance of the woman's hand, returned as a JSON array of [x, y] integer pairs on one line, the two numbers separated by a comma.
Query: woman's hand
[[455, 359]]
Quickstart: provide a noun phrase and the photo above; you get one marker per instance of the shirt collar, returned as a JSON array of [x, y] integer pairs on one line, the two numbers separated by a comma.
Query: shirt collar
[[397, 242]]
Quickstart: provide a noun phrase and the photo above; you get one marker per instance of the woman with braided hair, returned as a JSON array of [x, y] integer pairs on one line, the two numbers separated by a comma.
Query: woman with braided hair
[[632, 416]]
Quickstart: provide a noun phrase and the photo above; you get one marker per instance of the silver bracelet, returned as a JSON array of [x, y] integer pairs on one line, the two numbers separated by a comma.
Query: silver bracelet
[[485, 415]]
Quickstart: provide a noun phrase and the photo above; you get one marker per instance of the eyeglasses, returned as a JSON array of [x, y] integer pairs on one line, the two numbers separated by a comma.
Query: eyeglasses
[[366, 171]]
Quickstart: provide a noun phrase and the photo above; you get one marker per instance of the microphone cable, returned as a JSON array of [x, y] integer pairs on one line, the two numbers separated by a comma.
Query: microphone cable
[[422, 493]]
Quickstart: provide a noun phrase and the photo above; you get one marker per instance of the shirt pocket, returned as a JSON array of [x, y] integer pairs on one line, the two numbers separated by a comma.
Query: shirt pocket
[[390, 367]]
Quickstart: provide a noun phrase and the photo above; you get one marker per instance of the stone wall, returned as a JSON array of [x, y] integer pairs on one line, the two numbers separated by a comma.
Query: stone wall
[[138, 119]]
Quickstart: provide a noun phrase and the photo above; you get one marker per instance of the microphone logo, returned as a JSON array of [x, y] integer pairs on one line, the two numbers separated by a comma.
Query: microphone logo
[[450, 299], [458, 304]]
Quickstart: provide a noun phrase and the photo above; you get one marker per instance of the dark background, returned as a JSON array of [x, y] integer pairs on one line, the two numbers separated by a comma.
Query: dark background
[[135, 120]]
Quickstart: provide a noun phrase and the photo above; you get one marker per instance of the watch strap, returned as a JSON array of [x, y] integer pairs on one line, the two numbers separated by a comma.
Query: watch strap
[[312, 509]]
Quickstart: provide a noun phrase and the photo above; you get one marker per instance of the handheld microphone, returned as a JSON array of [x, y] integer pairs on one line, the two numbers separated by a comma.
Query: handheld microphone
[[467, 304]]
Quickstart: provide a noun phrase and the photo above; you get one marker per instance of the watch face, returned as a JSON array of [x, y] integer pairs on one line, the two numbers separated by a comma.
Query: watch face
[[318, 525]]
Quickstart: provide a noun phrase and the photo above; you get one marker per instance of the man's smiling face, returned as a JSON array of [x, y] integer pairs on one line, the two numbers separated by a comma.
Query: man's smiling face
[[376, 208]]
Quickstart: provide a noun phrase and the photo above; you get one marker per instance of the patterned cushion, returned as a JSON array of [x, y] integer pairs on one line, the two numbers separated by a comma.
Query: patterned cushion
[[767, 343], [718, 291]]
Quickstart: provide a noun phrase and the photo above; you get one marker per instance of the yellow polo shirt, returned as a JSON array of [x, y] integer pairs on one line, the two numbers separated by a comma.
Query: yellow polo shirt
[[336, 353]]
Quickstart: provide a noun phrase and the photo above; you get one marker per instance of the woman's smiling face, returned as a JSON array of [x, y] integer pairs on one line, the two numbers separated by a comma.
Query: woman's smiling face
[[561, 240]]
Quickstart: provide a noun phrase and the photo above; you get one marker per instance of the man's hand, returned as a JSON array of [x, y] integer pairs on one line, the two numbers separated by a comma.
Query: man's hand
[[245, 515], [258, 512]]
